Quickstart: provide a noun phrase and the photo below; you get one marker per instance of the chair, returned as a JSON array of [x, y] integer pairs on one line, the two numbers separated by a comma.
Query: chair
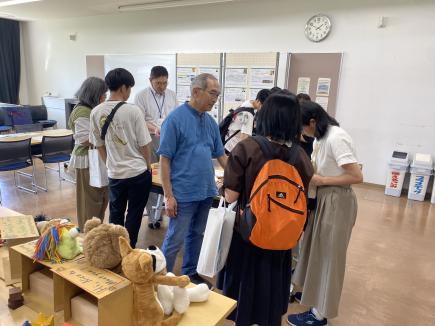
[[16, 155], [40, 115], [28, 127], [55, 149]]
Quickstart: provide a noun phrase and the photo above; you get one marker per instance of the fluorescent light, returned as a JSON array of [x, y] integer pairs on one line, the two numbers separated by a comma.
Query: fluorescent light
[[15, 2], [167, 4]]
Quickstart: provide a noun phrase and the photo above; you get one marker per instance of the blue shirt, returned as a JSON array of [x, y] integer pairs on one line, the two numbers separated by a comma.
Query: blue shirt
[[191, 140]]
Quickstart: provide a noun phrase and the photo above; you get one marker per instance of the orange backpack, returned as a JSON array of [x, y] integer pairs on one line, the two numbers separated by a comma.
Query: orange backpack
[[275, 215]]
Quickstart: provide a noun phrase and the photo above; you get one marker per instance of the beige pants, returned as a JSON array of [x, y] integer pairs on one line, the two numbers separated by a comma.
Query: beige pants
[[91, 201], [322, 260]]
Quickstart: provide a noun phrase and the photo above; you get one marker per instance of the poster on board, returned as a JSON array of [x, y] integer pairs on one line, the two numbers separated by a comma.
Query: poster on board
[[323, 102], [262, 77], [323, 86], [303, 85], [236, 77], [183, 93], [185, 75], [210, 70], [235, 94]]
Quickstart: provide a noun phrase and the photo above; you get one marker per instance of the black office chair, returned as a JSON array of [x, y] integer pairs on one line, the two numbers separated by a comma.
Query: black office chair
[[28, 127], [55, 149], [14, 156]]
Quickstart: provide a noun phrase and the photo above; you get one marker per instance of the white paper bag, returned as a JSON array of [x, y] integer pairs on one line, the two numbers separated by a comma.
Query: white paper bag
[[217, 239], [97, 170]]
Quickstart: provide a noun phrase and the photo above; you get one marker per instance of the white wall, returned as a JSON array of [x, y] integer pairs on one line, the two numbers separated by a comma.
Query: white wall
[[387, 78]]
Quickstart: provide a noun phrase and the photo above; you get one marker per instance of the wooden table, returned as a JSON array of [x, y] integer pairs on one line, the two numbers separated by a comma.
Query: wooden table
[[36, 136]]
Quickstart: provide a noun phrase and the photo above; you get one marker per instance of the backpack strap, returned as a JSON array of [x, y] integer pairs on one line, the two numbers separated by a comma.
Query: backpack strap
[[266, 148], [227, 140], [109, 119]]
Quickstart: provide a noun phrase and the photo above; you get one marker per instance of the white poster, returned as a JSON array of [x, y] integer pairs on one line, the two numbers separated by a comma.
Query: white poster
[[237, 77], [235, 94], [210, 70], [185, 75], [322, 101], [264, 77], [323, 86], [253, 93], [303, 85], [183, 93]]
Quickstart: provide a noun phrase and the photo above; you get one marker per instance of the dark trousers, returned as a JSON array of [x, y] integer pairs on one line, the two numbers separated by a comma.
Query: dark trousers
[[135, 191]]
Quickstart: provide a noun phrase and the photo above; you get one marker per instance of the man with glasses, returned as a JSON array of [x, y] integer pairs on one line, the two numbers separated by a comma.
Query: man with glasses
[[190, 139], [156, 102]]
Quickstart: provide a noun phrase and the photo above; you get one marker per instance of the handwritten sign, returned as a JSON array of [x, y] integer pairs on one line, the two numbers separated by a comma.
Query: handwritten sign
[[96, 281], [16, 227]]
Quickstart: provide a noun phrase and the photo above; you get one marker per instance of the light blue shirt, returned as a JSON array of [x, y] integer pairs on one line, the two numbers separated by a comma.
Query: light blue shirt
[[191, 140]]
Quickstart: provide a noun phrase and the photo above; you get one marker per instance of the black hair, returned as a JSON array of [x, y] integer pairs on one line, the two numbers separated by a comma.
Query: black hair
[[303, 97], [118, 77], [312, 110], [262, 95], [158, 71], [280, 118], [275, 89]]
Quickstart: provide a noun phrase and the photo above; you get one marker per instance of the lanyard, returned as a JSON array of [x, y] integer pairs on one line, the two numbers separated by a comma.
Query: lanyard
[[160, 108]]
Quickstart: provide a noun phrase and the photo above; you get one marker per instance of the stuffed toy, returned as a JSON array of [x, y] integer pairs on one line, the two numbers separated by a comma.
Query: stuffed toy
[[43, 222], [175, 298], [139, 267], [101, 244], [58, 242]]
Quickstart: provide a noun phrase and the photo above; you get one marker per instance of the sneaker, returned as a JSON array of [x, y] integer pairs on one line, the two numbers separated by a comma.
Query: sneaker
[[305, 319], [196, 279]]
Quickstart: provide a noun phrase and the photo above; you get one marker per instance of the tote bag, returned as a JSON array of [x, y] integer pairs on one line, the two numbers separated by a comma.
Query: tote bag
[[217, 239], [97, 170]]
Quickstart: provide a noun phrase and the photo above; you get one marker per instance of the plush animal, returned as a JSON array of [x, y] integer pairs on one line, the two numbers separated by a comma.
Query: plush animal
[[175, 298], [58, 242], [139, 267], [101, 244], [43, 222]]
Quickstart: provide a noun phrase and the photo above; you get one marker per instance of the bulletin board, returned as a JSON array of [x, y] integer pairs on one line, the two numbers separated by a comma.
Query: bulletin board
[[316, 74], [190, 65], [245, 74]]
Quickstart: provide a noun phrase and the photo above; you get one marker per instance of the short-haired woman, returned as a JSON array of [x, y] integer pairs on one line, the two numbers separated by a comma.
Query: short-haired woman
[[91, 201], [322, 261], [259, 279]]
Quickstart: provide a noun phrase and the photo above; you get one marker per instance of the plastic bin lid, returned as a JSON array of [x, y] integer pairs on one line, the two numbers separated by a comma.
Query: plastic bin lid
[[399, 158], [422, 161]]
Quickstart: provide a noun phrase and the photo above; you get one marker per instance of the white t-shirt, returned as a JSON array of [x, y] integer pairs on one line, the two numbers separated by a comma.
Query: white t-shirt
[[333, 151], [156, 107], [125, 135], [243, 121]]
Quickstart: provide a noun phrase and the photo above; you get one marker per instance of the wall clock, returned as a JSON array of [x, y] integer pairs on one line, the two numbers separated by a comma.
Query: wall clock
[[318, 28]]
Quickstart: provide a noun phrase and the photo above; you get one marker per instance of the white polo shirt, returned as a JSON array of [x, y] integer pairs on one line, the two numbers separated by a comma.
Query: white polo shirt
[[156, 107]]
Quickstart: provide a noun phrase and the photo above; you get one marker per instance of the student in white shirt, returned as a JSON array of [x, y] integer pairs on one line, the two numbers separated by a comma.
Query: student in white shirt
[[125, 149], [322, 261], [156, 102], [243, 123]]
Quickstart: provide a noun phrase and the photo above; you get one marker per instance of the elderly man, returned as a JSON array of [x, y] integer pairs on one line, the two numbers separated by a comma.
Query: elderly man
[[189, 141], [156, 102]]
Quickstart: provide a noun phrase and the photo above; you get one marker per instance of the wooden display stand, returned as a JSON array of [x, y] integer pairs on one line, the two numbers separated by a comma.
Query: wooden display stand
[[16, 229], [112, 293], [28, 266]]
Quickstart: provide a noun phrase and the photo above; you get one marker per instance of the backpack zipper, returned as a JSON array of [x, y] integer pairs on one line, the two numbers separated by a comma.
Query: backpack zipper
[[301, 189], [270, 199]]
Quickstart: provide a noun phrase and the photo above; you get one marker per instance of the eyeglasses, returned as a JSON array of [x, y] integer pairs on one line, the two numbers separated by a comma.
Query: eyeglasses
[[213, 94]]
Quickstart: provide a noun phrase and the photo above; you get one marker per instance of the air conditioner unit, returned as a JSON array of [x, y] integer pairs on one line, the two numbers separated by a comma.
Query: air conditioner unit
[[159, 4]]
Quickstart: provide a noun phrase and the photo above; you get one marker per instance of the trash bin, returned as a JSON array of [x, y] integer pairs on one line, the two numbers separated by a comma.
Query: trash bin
[[398, 166], [432, 200], [421, 170]]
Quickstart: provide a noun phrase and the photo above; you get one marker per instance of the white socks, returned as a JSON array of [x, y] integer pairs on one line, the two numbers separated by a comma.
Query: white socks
[[317, 314]]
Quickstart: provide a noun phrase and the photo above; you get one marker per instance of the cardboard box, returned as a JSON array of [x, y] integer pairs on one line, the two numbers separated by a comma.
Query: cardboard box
[[16, 229], [84, 310], [112, 293]]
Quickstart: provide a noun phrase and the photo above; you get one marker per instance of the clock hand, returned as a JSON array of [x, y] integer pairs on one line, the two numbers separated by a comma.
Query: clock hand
[[320, 26]]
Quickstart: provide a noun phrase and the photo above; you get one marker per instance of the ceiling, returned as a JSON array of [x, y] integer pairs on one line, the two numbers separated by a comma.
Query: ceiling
[[55, 9]]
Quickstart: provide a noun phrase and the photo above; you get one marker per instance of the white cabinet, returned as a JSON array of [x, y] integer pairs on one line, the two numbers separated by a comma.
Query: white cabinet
[[57, 109]]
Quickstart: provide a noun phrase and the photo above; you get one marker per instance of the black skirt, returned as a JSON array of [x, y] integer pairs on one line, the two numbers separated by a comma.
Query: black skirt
[[260, 282]]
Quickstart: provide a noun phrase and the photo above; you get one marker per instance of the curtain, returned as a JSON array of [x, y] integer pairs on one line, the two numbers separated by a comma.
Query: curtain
[[10, 64]]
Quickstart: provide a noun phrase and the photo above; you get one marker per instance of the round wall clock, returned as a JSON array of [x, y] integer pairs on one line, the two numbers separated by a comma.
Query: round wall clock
[[318, 28]]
